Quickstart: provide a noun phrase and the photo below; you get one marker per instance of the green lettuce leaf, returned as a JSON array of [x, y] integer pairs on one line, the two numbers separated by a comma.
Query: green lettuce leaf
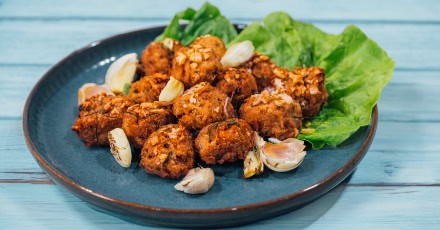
[[207, 20], [356, 69]]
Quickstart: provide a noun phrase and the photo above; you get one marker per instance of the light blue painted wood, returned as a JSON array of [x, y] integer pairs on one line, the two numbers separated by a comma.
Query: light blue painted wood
[[410, 45], [400, 101], [17, 82], [395, 186], [402, 152], [49, 207], [425, 10]]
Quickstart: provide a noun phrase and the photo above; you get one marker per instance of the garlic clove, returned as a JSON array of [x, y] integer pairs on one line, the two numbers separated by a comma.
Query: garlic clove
[[284, 156], [252, 164], [280, 156], [273, 140], [91, 89], [238, 54], [121, 73], [120, 147], [172, 89], [196, 181]]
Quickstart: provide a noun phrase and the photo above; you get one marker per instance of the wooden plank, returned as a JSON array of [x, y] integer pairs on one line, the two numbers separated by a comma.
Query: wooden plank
[[17, 82], [65, 37], [47, 207], [366, 10], [410, 97], [412, 46], [405, 153], [400, 100]]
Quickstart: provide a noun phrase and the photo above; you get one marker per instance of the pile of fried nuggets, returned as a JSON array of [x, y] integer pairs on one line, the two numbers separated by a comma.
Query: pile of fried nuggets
[[216, 115]]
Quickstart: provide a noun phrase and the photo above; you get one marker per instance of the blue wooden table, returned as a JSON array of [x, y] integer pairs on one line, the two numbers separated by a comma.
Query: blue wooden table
[[397, 185]]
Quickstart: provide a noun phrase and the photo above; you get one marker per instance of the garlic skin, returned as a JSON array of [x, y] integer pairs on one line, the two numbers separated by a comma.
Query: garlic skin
[[284, 156], [280, 156], [237, 54], [252, 164], [91, 89], [197, 181], [172, 89], [273, 140], [120, 147], [121, 73]]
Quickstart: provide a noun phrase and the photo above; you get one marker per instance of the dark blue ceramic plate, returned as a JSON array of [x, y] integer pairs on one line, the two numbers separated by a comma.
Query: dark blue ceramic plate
[[94, 176]]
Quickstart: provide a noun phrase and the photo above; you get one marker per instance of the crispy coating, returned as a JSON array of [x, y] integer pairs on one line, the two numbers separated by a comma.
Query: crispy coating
[[213, 42], [156, 58], [201, 105], [99, 115], [315, 94], [238, 84], [262, 69], [272, 115], [148, 88], [140, 120], [194, 65], [168, 152], [224, 141], [306, 85]]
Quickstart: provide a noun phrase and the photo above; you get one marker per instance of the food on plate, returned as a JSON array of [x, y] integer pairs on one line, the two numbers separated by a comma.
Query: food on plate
[[121, 73], [276, 74], [195, 64], [157, 56], [98, 115], [172, 89], [272, 114], [252, 164], [198, 180], [140, 120], [305, 85], [201, 105], [356, 70], [120, 147], [213, 42], [238, 54], [238, 84], [148, 88], [281, 156], [168, 152], [262, 69], [89, 90], [224, 141]]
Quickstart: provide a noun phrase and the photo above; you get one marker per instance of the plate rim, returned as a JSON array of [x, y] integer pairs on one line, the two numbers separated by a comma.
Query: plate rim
[[69, 184]]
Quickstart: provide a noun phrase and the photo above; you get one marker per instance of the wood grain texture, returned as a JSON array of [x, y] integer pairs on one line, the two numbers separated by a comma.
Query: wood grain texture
[[375, 10], [393, 157], [412, 46], [48, 207], [395, 186], [400, 101]]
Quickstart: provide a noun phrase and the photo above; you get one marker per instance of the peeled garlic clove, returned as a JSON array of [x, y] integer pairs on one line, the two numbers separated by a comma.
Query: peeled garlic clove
[[120, 147], [196, 181], [252, 164], [238, 54], [283, 156], [172, 89], [121, 73], [91, 89]]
